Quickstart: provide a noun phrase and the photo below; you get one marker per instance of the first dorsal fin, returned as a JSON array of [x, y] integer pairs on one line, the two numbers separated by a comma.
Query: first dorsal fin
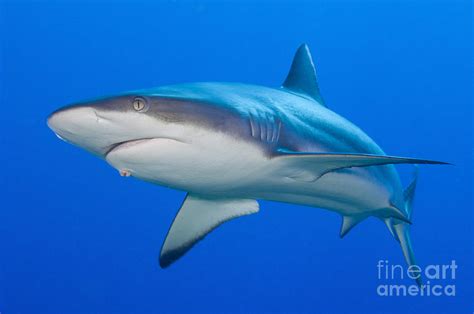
[[302, 76]]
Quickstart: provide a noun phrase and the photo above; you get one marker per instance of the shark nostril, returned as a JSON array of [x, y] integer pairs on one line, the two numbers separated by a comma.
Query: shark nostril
[[98, 117]]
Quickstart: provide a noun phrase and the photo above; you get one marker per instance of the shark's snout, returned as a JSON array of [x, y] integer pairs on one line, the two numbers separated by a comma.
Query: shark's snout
[[70, 120], [81, 126]]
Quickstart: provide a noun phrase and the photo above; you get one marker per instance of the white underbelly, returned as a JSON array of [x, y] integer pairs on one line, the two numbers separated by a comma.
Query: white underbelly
[[220, 165], [210, 163]]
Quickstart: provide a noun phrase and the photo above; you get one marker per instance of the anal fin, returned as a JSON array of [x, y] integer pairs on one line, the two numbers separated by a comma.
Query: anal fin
[[349, 222]]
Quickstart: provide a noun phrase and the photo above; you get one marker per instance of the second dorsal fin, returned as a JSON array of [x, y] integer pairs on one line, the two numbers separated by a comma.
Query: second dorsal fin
[[302, 76]]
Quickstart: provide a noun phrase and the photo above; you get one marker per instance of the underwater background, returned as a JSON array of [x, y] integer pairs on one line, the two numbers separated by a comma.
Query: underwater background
[[75, 237]]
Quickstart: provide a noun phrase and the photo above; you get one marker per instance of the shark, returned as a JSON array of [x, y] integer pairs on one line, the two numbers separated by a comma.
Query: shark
[[229, 145]]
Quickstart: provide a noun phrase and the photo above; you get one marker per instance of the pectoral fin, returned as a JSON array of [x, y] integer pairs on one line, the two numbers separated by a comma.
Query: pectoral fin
[[319, 164], [196, 218]]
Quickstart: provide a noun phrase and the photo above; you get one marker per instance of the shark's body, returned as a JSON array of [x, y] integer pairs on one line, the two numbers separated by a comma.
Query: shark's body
[[253, 123], [229, 144]]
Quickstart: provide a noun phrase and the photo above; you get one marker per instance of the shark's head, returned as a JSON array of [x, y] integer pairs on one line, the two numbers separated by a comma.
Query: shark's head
[[121, 128], [99, 126]]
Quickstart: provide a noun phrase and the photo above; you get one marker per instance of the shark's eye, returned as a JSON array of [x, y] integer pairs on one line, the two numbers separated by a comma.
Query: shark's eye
[[139, 104]]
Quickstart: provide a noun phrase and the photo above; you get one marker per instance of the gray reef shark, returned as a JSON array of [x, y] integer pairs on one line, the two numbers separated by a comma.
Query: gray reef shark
[[230, 144]]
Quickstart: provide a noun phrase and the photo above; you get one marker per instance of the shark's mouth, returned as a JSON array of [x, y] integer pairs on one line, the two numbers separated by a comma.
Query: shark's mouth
[[125, 144], [132, 156], [130, 143]]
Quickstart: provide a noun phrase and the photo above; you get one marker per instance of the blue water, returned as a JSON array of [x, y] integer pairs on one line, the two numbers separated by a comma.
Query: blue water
[[77, 238]]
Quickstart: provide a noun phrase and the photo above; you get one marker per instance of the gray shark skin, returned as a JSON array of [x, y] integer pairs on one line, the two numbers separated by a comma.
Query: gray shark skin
[[230, 144]]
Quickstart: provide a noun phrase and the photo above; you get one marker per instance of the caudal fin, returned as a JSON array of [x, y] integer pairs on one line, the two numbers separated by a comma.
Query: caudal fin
[[401, 230]]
